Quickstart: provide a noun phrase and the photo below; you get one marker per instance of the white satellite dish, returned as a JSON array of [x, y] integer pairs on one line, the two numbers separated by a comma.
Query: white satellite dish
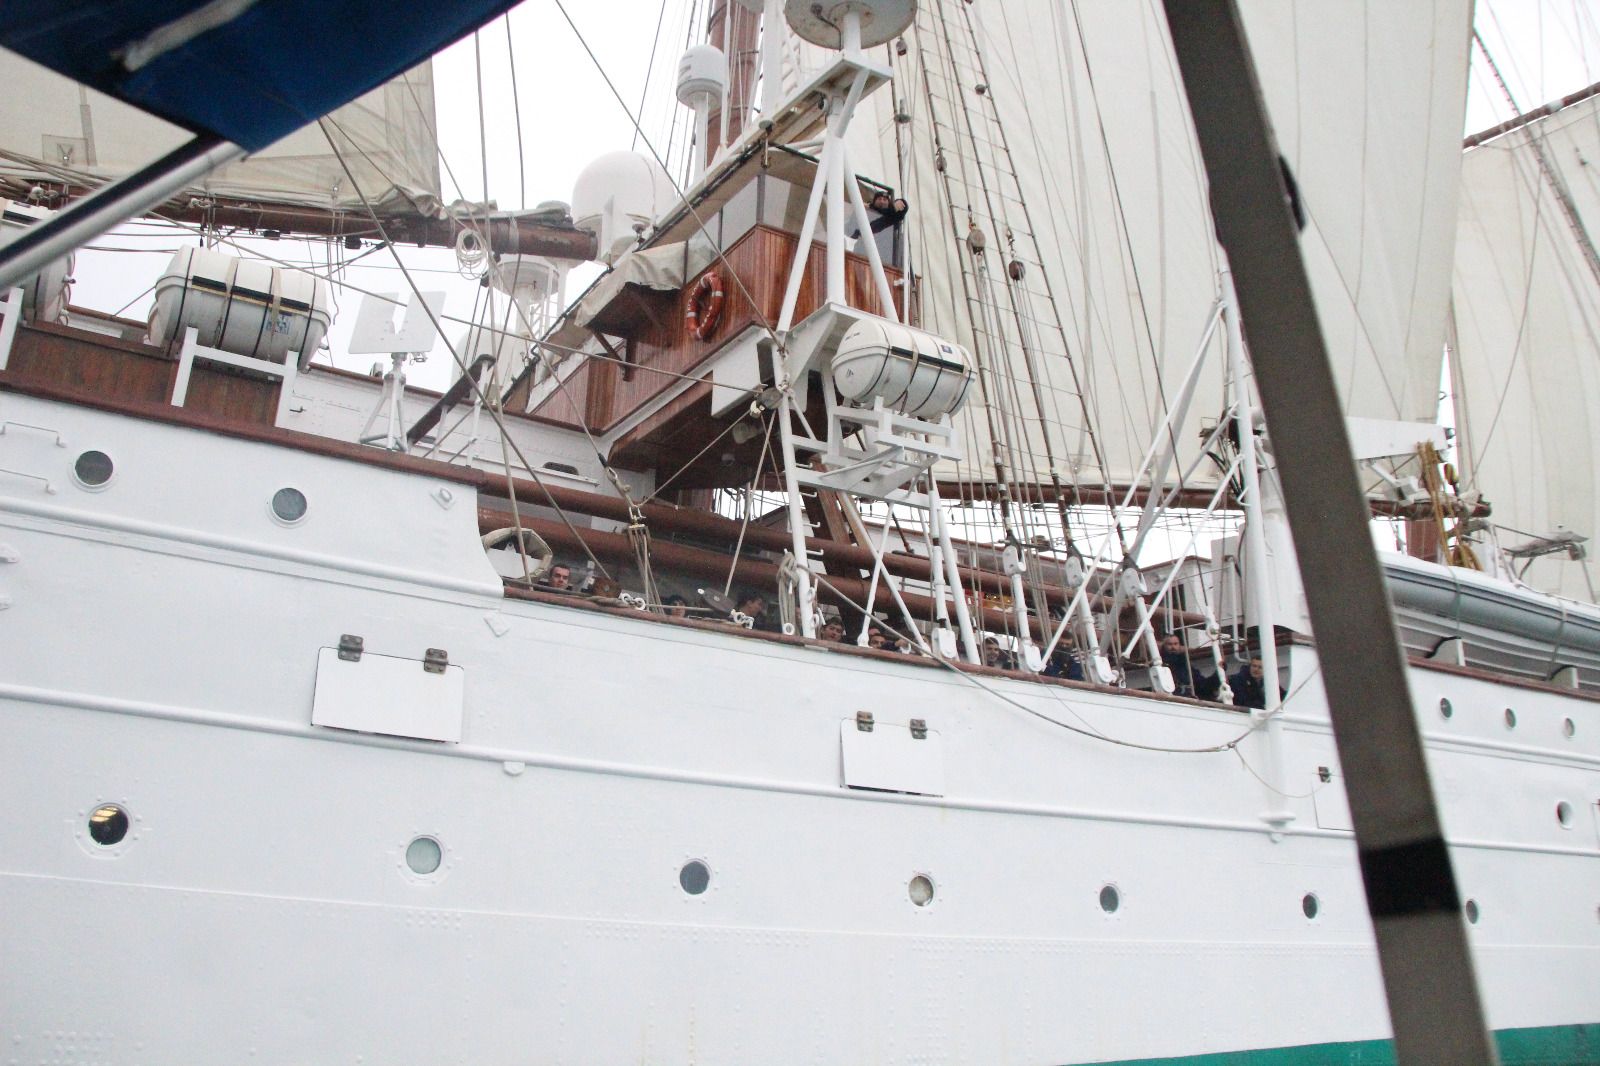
[[375, 330]]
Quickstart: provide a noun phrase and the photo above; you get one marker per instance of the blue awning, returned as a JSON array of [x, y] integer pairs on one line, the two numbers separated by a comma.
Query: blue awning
[[249, 71]]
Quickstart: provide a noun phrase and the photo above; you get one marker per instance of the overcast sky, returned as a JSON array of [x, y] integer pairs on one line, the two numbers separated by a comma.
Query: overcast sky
[[1546, 48]]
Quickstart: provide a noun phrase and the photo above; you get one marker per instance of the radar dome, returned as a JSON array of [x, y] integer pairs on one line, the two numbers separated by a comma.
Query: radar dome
[[619, 195], [702, 72]]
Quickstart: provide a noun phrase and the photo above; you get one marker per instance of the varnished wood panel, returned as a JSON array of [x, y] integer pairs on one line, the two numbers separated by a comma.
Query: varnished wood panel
[[568, 405], [216, 390], [90, 365], [93, 366], [643, 446], [603, 375]]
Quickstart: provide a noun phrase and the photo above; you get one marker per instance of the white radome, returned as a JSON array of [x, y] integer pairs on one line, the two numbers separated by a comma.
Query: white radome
[[618, 195], [703, 71]]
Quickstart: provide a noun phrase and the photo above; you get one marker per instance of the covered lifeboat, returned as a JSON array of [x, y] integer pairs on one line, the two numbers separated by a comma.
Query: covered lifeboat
[[911, 371]]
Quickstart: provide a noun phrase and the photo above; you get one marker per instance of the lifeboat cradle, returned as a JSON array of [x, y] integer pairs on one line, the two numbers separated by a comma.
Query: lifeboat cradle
[[885, 384]]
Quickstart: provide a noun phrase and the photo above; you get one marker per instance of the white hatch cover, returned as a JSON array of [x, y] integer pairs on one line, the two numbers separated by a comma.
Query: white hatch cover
[[387, 694], [891, 756]]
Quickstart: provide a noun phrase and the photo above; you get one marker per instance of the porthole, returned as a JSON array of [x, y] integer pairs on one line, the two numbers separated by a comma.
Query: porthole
[[695, 877], [1110, 899], [1564, 814], [424, 856], [108, 825], [289, 505], [1445, 709], [1310, 905], [920, 889], [1471, 910], [1569, 728], [1511, 718], [93, 469]]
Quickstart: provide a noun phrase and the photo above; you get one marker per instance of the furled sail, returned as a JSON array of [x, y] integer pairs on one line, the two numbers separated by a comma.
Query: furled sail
[[1527, 314], [1061, 132], [72, 134]]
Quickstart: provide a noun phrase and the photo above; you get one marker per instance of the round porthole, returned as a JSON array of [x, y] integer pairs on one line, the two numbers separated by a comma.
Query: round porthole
[[1110, 899], [424, 856], [1471, 910], [920, 889], [1309, 905], [289, 505], [1569, 729], [695, 877], [108, 825], [1511, 718], [1445, 709], [1564, 814], [93, 469]]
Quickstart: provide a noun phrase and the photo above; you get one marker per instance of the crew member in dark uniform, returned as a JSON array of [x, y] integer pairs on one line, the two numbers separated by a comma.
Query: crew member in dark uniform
[[885, 215], [1186, 680], [1249, 687]]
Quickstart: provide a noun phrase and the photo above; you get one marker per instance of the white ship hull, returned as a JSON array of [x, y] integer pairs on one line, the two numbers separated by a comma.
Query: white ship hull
[[161, 649]]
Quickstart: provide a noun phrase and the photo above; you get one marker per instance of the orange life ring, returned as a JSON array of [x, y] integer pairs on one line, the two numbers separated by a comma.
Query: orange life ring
[[705, 306]]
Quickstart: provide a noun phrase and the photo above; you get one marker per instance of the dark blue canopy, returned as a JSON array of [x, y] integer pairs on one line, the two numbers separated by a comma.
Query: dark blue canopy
[[249, 76]]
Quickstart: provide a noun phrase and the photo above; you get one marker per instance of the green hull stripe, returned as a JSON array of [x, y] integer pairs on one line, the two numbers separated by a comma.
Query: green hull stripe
[[1554, 1045]]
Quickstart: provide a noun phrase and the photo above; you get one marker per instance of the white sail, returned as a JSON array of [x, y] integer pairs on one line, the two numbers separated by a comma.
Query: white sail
[[1527, 312], [1368, 111], [1120, 236], [71, 133]]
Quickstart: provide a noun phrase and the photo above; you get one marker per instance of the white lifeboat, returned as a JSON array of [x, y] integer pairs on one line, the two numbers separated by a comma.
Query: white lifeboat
[[243, 306], [913, 372]]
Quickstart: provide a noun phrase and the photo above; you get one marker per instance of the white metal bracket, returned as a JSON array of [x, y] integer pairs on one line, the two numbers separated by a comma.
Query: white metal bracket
[[10, 318], [193, 350]]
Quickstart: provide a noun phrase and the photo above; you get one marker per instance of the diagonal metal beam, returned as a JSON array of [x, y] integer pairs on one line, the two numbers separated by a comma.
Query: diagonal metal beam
[[1411, 889]]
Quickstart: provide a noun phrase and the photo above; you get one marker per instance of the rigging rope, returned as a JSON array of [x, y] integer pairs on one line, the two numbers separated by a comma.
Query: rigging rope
[[1086, 730]]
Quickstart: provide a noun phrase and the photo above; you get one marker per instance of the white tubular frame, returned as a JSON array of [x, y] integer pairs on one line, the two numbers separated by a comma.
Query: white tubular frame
[[193, 350], [10, 319]]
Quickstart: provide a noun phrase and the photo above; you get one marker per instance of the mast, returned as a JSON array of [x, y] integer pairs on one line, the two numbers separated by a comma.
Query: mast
[[1410, 885]]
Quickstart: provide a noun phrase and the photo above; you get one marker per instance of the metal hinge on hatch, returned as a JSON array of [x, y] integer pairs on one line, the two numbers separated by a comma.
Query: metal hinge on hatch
[[864, 721], [435, 660], [919, 729], [350, 647]]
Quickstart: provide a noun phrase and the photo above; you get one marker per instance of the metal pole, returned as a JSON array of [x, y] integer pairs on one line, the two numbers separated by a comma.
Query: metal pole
[[1257, 575], [852, 514], [835, 177], [874, 261], [1411, 888], [947, 549], [773, 30], [797, 524], [808, 229], [112, 205]]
